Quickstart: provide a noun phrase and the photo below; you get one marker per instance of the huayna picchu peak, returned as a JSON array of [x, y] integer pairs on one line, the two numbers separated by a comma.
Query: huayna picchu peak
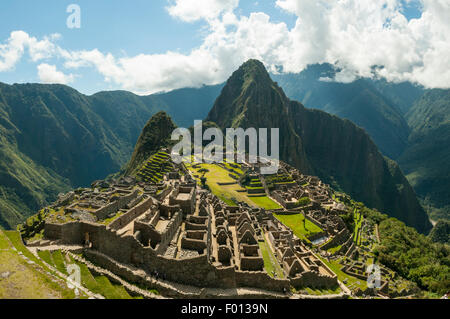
[[317, 143]]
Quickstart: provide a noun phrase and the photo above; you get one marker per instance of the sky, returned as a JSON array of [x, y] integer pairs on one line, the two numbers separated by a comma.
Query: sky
[[160, 45]]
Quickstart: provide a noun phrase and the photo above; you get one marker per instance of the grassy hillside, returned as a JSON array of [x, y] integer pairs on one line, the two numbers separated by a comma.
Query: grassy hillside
[[26, 278]]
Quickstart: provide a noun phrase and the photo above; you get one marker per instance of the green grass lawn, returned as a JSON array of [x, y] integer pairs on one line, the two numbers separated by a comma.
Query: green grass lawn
[[295, 222], [54, 259], [4, 244], [265, 202], [270, 263], [332, 250], [46, 256], [16, 240], [216, 175], [25, 281], [319, 292], [58, 259]]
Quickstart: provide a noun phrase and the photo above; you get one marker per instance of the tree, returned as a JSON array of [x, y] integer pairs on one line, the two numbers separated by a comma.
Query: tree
[[203, 180]]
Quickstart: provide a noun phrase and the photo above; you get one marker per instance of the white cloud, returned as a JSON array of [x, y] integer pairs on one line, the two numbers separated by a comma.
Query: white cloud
[[193, 10], [355, 35], [49, 74], [14, 48], [360, 34]]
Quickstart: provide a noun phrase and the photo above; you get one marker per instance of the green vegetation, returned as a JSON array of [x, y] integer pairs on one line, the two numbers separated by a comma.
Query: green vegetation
[[155, 167], [303, 201], [109, 220], [272, 180], [264, 202], [426, 159], [46, 256], [270, 263], [358, 219], [147, 157], [414, 256], [300, 225], [215, 174], [101, 285], [58, 261], [16, 240], [26, 281], [350, 282], [332, 250], [441, 232], [319, 292]]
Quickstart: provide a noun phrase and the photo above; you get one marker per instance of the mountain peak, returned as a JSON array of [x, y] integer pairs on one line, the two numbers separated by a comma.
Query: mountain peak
[[317, 143], [249, 97], [155, 135], [252, 70]]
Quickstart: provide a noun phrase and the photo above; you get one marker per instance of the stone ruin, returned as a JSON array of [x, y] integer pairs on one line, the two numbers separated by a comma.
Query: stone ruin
[[174, 228]]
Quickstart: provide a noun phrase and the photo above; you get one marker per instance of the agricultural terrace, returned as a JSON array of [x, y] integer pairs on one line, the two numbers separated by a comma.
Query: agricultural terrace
[[20, 268], [96, 283], [351, 282], [358, 218], [278, 179], [223, 181], [155, 168]]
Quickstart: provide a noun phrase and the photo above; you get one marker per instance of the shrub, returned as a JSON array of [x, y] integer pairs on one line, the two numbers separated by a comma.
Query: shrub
[[303, 201]]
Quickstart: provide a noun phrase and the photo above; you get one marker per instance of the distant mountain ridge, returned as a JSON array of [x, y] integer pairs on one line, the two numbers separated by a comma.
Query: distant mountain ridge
[[370, 104], [89, 137], [318, 143], [427, 160], [54, 138]]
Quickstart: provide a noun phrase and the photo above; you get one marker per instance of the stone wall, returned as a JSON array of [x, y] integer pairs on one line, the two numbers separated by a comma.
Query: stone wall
[[314, 280], [132, 214], [251, 263], [260, 279], [196, 271], [338, 239], [113, 207], [194, 240]]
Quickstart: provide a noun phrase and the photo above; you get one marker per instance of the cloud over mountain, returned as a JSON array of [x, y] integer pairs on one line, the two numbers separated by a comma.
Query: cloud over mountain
[[363, 38], [49, 74]]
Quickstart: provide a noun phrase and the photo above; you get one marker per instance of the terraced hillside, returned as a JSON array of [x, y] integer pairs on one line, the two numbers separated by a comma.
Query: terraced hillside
[[278, 179], [154, 169], [96, 283]]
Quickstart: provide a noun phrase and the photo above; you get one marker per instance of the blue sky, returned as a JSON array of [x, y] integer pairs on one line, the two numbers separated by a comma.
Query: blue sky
[[180, 47]]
